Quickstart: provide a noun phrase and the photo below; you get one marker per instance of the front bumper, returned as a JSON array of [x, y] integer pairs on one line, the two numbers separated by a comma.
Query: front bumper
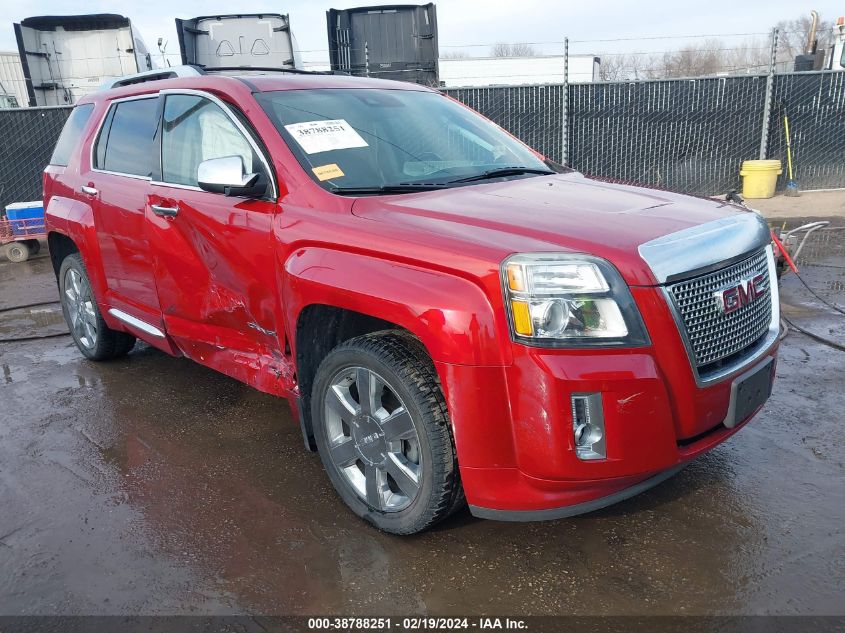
[[576, 508], [513, 425]]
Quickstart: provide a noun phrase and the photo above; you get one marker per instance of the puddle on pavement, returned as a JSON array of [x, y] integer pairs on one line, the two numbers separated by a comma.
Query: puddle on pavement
[[150, 484], [41, 320]]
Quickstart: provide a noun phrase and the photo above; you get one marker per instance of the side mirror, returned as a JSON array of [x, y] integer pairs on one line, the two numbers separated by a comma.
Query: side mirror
[[226, 175]]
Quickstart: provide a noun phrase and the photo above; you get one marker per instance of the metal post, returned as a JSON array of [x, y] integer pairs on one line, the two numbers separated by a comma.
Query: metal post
[[564, 134], [770, 85], [366, 59]]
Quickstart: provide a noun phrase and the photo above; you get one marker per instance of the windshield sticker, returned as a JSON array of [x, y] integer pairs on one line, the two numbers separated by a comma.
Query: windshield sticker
[[327, 172], [324, 136]]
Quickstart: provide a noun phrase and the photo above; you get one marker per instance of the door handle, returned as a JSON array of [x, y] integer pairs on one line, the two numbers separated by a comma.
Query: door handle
[[91, 191], [165, 212]]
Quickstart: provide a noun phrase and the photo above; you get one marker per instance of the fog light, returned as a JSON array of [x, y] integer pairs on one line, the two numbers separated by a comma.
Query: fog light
[[588, 426]]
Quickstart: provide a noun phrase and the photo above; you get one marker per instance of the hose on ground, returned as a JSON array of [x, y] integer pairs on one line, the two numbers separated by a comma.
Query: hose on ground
[[19, 339], [830, 305], [816, 337], [29, 305]]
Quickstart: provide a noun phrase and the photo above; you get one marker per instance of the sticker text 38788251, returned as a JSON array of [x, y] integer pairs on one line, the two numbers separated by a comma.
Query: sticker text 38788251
[[323, 136]]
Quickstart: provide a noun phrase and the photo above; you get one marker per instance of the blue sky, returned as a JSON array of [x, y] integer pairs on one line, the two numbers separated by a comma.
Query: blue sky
[[463, 22]]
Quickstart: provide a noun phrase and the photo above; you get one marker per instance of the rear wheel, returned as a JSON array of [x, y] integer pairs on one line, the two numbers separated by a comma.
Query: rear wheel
[[17, 252], [382, 431], [92, 336]]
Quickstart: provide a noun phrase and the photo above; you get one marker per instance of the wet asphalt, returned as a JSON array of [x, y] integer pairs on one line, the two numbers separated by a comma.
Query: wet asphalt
[[151, 485]]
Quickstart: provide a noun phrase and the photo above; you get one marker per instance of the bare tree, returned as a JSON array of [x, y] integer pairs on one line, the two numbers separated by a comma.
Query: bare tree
[[523, 50], [613, 68], [503, 49], [455, 54], [794, 35], [623, 67], [691, 61], [750, 57], [714, 57]]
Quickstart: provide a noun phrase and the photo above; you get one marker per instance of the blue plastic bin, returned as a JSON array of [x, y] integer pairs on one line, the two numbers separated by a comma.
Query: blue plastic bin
[[26, 217]]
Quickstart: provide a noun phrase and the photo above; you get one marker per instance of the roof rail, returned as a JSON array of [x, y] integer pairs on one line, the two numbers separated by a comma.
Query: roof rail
[[152, 75], [268, 69], [264, 69], [196, 70]]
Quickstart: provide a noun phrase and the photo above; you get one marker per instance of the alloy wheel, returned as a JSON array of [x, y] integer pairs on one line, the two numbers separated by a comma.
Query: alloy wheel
[[79, 303], [372, 439]]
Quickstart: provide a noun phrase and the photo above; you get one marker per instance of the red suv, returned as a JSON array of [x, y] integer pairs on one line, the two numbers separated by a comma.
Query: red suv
[[452, 317]]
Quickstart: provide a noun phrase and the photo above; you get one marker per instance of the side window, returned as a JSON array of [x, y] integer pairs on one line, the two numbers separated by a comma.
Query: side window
[[196, 129], [125, 144], [71, 134]]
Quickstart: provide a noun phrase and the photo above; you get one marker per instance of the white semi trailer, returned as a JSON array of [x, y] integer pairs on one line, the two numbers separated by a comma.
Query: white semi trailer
[[255, 40], [516, 71], [69, 56], [836, 61]]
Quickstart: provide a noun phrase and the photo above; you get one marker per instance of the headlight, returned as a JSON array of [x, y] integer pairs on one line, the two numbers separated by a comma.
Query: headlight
[[561, 300]]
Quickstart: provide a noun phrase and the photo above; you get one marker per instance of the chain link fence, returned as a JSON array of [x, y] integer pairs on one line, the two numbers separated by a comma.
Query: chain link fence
[[815, 106], [682, 135], [688, 135], [29, 136]]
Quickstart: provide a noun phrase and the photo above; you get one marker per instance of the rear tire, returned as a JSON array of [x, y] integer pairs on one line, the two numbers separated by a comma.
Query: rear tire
[[390, 456], [96, 340], [17, 252], [34, 246]]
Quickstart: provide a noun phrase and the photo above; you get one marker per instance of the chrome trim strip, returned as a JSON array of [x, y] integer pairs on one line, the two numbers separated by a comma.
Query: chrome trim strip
[[136, 323], [759, 350], [243, 130], [159, 183], [120, 173], [691, 250]]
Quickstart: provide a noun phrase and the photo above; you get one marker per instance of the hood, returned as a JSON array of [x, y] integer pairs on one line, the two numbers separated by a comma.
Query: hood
[[564, 212]]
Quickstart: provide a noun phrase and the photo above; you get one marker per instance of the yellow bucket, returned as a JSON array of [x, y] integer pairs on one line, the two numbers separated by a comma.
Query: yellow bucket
[[759, 178]]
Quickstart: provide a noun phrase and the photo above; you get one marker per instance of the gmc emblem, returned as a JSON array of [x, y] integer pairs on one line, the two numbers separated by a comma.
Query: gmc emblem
[[733, 298]]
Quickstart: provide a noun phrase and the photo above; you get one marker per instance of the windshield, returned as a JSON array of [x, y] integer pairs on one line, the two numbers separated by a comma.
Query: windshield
[[356, 139]]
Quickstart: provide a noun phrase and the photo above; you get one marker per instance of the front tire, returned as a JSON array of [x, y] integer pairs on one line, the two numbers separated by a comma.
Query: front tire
[[95, 339], [382, 430]]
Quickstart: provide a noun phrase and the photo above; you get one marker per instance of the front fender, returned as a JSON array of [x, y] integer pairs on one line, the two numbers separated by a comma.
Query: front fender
[[450, 315]]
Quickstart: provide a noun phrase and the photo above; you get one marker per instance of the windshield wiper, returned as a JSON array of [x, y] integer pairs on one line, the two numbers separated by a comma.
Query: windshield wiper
[[403, 187], [502, 172]]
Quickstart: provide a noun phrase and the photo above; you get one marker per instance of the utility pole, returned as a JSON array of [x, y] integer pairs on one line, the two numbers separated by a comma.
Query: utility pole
[[770, 85], [564, 134], [366, 59]]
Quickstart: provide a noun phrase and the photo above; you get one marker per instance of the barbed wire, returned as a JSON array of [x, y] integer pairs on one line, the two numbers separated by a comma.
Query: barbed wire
[[747, 58]]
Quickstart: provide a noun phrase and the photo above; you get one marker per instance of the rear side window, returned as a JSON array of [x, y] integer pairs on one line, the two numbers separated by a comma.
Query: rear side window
[[125, 144], [71, 134]]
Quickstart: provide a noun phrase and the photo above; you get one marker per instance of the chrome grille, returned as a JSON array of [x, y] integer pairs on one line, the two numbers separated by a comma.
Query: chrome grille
[[712, 335]]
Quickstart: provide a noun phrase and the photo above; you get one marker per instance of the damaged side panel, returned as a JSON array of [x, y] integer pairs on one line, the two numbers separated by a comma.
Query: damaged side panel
[[214, 270]]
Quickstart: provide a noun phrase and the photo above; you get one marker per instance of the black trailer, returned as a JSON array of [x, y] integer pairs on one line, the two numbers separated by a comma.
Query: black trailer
[[388, 42]]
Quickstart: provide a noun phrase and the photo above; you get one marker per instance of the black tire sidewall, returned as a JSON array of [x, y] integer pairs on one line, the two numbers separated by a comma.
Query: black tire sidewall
[[404, 521]]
